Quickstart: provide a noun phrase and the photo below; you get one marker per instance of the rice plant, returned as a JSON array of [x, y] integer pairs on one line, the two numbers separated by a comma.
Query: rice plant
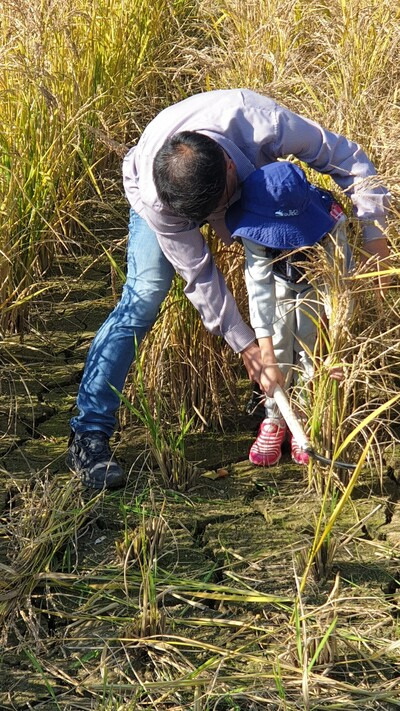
[[167, 441], [195, 370], [78, 82], [44, 514], [143, 546]]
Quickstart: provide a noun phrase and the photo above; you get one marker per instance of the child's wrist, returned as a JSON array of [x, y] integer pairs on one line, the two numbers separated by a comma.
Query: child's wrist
[[268, 360], [267, 351]]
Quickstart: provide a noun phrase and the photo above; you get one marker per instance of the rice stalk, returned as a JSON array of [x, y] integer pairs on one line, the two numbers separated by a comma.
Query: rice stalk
[[167, 443], [143, 546], [194, 369], [79, 80]]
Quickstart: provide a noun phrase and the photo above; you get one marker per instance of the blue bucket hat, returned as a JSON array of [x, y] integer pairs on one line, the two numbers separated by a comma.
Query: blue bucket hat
[[279, 208]]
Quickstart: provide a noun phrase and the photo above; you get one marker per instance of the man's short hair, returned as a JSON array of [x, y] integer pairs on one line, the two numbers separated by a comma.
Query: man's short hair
[[189, 172]]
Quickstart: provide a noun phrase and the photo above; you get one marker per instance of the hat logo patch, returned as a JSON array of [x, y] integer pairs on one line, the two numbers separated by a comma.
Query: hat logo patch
[[287, 213]]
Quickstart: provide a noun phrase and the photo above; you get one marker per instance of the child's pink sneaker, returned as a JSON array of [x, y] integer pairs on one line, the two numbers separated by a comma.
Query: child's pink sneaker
[[266, 449], [298, 455]]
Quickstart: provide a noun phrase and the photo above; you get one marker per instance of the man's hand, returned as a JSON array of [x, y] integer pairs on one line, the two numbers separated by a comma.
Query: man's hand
[[251, 356], [378, 247], [266, 374]]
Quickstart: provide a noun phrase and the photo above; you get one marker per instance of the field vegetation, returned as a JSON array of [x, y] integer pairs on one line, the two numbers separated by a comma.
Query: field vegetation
[[203, 584]]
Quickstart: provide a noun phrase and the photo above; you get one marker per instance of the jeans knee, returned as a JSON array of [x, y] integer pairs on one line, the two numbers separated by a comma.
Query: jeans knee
[[140, 306]]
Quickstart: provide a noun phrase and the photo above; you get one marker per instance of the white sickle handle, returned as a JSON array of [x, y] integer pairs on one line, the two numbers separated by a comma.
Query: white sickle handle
[[290, 418], [299, 434]]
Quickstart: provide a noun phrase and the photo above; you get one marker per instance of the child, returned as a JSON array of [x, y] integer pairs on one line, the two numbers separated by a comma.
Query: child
[[280, 211]]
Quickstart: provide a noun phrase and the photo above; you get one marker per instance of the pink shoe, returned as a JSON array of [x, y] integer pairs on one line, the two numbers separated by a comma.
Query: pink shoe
[[298, 455], [266, 449]]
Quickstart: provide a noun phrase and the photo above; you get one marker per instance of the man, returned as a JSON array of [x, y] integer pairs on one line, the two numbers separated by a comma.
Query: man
[[187, 169]]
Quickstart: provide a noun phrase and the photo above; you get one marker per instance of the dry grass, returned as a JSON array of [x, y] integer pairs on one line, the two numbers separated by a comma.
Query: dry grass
[[126, 628]]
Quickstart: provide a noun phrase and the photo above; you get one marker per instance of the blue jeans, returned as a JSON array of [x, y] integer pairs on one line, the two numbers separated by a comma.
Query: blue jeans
[[149, 277]]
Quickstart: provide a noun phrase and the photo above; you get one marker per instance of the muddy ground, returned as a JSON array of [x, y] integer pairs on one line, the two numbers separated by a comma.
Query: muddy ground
[[247, 532]]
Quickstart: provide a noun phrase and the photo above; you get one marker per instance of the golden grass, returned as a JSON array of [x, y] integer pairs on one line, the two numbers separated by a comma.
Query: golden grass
[[79, 81]]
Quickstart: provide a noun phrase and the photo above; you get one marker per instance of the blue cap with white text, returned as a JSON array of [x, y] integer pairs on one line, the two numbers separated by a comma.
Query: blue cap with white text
[[279, 208]]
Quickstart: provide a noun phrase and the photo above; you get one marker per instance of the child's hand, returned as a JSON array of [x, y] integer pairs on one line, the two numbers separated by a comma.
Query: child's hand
[[271, 375], [336, 371]]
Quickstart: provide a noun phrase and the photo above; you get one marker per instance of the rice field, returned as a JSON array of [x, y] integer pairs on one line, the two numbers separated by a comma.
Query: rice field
[[206, 583]]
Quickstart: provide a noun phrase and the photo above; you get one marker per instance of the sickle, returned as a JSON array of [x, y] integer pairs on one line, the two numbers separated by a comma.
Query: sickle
[[298, 433]]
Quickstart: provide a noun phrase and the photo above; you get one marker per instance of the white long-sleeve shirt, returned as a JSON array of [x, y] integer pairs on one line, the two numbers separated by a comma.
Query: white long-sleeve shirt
[[253, 130]]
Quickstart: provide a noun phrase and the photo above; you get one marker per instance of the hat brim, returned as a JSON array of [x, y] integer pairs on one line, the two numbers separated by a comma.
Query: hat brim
[[281, 232]]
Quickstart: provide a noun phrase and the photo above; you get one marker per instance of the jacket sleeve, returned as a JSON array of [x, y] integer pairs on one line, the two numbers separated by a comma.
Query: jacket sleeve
[[205, 286], [344, 160]]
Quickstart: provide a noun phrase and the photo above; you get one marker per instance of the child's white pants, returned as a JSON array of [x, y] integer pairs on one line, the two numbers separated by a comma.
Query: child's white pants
[[295, 327]]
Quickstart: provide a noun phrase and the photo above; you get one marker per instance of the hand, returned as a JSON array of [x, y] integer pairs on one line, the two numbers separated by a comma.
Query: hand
[[271, 375], [252, 360], [266, 374], [380, 250], [336, 371]]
